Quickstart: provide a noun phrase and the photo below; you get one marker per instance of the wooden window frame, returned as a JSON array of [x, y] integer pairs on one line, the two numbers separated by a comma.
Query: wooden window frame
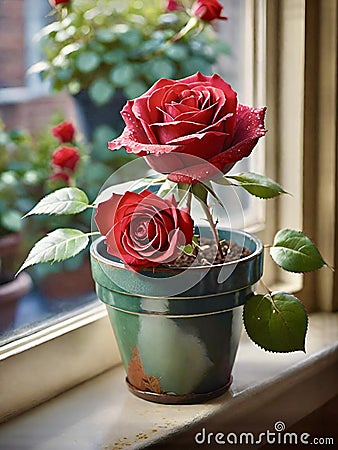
[[43, 365]]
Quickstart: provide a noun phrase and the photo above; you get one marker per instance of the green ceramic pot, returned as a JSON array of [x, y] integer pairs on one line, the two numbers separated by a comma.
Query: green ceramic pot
[[178, 330]]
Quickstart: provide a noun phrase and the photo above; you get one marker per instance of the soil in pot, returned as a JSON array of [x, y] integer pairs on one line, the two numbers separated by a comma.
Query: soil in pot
[[207, 254], [10, 245]]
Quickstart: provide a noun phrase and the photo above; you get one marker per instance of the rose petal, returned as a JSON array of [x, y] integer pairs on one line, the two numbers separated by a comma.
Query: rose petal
[[168, 132], [249, 128], [127, 140], [105, 213], [194, 174]]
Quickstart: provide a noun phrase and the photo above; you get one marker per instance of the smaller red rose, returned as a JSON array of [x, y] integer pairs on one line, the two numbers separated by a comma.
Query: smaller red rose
[[66, 158], [59, 176], [174, 5], [207, 10], [144, 230], [64, 131], [59, 2]]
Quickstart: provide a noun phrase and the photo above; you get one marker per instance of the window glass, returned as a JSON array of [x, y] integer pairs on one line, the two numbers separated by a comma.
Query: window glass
[[63, 289]]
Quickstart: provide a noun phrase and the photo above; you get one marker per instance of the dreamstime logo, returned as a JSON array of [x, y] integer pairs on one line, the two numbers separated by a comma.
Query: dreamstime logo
[[279, 426], [226, 207], [279, 436]]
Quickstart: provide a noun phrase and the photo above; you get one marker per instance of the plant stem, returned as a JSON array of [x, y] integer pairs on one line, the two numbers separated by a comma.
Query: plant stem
[[210, 219], [189, 201], [201, 194], [265, 287], [270, 295]]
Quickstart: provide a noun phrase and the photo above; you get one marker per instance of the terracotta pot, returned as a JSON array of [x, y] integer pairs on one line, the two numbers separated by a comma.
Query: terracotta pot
[[68, 283], [10, 244], [11, 291], [9, 251], [178, 347]]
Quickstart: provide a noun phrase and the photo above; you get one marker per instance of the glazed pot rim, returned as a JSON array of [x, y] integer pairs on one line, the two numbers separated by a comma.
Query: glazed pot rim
[[118, 264]]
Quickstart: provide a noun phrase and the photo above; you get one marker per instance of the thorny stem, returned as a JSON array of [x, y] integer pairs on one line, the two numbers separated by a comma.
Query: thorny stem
[[210, 219], [201, 194]]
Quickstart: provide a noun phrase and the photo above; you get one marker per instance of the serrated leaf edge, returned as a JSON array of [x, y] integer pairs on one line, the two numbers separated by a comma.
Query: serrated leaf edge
[[278, 188], [48, 196], [277, 351], [26, 263]]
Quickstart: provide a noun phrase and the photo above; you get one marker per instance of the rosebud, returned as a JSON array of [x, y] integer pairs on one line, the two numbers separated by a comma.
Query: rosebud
[[59, 2], [207, 10], [64, 132], [173, 5], [66, 158], [59, 176]]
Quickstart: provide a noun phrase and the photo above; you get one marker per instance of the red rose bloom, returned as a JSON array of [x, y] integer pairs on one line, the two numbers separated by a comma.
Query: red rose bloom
[[59, 2], [143, 229], [64, 132], [174, 5], [59, 176], [196, 116], [207, 10], [66, 158]]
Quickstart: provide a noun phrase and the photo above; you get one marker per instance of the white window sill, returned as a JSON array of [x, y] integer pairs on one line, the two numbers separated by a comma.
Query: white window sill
[[102, 414]]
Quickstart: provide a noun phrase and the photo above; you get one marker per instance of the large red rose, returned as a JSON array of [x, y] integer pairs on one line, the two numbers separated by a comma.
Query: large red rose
[[64, 131], [66, 158], [197, 116], [207, 10], [143, 229]]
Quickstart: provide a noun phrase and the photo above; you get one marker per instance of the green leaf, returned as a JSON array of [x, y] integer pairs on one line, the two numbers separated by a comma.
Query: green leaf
[[122, 75], [101, 91], [105, 35], [114, 56], [188, 249], [135, 89], [167, 188], [163, 68], [258, 185], [87, 62], [67, 200], [295, 252], [277, 323], [58, 245], [130, 38], [11, 220], [210, 189], [177, 52]]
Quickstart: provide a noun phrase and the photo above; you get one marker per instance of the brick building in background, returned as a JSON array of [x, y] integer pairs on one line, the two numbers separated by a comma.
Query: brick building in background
[[21, 105], [12, 43]]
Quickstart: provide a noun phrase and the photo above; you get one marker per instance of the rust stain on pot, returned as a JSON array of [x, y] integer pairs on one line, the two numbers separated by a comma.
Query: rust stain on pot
[[137, 376]]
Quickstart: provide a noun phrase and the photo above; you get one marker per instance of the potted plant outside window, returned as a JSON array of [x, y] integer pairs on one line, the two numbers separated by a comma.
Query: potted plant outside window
[[106, 52], [31, 166], [11, 193]]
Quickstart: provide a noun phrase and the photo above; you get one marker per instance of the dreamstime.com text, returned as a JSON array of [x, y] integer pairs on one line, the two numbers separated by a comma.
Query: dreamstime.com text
[[278, 436]]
